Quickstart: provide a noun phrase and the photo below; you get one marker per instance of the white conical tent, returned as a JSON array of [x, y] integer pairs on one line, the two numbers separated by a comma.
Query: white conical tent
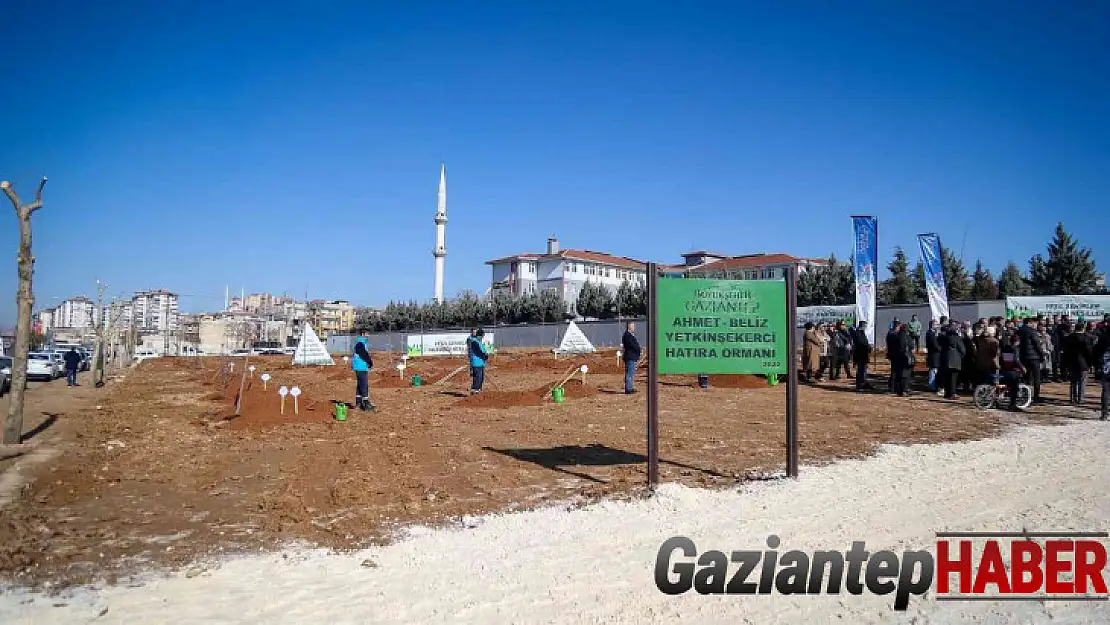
[[311, 350], [575, 342]]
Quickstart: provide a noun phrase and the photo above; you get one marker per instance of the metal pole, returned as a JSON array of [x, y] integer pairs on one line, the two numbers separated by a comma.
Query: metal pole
[[653, 379], [792, 372]]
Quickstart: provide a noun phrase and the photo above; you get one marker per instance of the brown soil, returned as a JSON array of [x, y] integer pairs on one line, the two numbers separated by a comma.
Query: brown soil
[[573, 389], [160, 475]]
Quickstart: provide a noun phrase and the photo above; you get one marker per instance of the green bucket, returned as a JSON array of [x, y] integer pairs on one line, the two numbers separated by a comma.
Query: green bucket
[[340, 411], [558, 394], [417, 380]]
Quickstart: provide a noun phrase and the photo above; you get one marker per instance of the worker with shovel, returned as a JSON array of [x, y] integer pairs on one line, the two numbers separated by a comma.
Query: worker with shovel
[[361, 364], [478, 357]]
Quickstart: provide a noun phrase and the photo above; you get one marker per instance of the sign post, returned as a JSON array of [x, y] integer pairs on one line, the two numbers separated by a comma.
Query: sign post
[[730, 327], [792, 372], [653, 376]]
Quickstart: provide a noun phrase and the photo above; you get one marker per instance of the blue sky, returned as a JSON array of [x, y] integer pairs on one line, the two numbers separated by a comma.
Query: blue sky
[[293, 147]]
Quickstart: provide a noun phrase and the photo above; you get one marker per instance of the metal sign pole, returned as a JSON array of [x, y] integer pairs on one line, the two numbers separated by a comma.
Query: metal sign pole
[[653, 377], [792, 372]]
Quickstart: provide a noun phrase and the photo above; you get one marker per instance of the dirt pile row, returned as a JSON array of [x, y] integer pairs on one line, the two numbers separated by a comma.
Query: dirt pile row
[[573, 389]]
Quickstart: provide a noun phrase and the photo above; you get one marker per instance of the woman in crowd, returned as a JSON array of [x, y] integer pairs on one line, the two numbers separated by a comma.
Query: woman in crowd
[[986, 355]]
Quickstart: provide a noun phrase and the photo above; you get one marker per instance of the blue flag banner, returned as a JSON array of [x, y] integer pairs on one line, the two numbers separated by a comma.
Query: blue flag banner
[[865, 259], [934, 274]]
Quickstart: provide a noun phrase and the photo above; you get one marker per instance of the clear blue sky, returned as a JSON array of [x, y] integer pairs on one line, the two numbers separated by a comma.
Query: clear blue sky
[[290, 146]]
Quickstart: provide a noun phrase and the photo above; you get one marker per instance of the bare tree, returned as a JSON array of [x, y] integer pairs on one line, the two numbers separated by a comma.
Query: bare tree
[[24, 301]]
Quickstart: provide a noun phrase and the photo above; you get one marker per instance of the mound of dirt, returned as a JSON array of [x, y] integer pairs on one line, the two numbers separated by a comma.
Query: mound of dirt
[[737, 381], [507, 399]]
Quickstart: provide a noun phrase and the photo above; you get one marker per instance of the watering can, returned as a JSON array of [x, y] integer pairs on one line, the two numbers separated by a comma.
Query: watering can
[[558, 394], [340, 411], [417, 380]]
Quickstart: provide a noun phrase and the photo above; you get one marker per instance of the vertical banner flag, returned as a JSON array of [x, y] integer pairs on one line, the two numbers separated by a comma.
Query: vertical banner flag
[[934, 274], [865, 258]]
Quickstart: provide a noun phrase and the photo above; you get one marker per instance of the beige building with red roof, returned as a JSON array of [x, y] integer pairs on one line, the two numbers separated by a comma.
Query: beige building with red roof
[[564, 271]]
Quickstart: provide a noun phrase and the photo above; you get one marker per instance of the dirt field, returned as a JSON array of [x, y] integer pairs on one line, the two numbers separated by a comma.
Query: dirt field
[[164, 472]]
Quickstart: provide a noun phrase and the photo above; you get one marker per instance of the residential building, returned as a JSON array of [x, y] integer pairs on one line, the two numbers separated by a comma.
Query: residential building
[[259, 303], [45, 321], [1101, 281], [76, 312], [564, 271], [749, 266], [155, 310], [118, 314], [327, 317]]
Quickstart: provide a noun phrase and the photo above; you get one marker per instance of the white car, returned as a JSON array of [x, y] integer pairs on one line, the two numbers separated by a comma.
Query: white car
[[42, 366], [145, 354], [6, 373]]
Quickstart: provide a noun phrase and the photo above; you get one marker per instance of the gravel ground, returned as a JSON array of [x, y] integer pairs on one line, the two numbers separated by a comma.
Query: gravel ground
[[595, 564]]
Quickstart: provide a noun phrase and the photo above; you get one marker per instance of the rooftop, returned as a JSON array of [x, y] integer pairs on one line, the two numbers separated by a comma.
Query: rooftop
[[758, 260], [582, 255]]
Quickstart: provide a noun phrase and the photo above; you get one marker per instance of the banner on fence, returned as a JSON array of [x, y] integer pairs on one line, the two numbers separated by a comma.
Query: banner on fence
[[866, 234], [934, 274], [1087, 307], [448, 344], [826, 314]]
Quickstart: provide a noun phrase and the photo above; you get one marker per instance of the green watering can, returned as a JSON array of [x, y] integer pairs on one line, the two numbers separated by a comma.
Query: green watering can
[[340, 411], [558, 394], [417, 380]]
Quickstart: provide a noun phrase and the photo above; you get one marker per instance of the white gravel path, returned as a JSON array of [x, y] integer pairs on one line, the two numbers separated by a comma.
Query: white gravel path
[[596, 565]]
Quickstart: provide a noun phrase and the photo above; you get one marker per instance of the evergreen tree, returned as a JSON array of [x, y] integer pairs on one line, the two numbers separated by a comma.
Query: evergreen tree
[[631, 299], [1011, 282], [827, 285], [594, 300], [920, 291], [898, 288], [552, 306], [956, 279], [1068, 270], [983, 286]]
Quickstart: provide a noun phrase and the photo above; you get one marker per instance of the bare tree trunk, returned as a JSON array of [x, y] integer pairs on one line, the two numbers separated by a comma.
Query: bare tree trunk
[[24, 302]]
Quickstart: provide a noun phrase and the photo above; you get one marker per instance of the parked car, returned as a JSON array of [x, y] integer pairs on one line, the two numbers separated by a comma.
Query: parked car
[[6, 372], [240, 352], [145, 354], [42, 366]]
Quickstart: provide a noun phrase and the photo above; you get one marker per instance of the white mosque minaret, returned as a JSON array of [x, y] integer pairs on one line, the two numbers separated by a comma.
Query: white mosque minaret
[[440, 252]]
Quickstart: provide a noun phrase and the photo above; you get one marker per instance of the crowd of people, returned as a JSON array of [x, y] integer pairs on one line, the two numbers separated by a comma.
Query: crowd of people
[[962, 355]]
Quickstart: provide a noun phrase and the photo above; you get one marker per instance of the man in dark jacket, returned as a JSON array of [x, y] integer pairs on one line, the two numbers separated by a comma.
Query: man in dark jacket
[[900, 353], [1011, 369], [861, 354], [841, 348], [73, 364], [894, 355], [630, 353], [1080, 350], [932, 354], [1059, 348], [1102, 368], [953, 359], [1031, 356]]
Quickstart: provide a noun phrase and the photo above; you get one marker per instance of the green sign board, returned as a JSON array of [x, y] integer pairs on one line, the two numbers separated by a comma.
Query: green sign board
[[721, 326]]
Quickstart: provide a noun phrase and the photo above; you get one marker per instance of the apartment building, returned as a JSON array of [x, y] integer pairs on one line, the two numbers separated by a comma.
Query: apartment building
[[565, 271], [155, 310], [331, 316]]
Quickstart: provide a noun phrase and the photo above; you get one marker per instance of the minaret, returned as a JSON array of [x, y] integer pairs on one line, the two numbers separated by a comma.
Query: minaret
[[440, 252]]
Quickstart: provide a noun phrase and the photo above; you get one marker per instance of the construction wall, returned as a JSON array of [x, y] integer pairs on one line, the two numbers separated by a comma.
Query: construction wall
[[608, 333]]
